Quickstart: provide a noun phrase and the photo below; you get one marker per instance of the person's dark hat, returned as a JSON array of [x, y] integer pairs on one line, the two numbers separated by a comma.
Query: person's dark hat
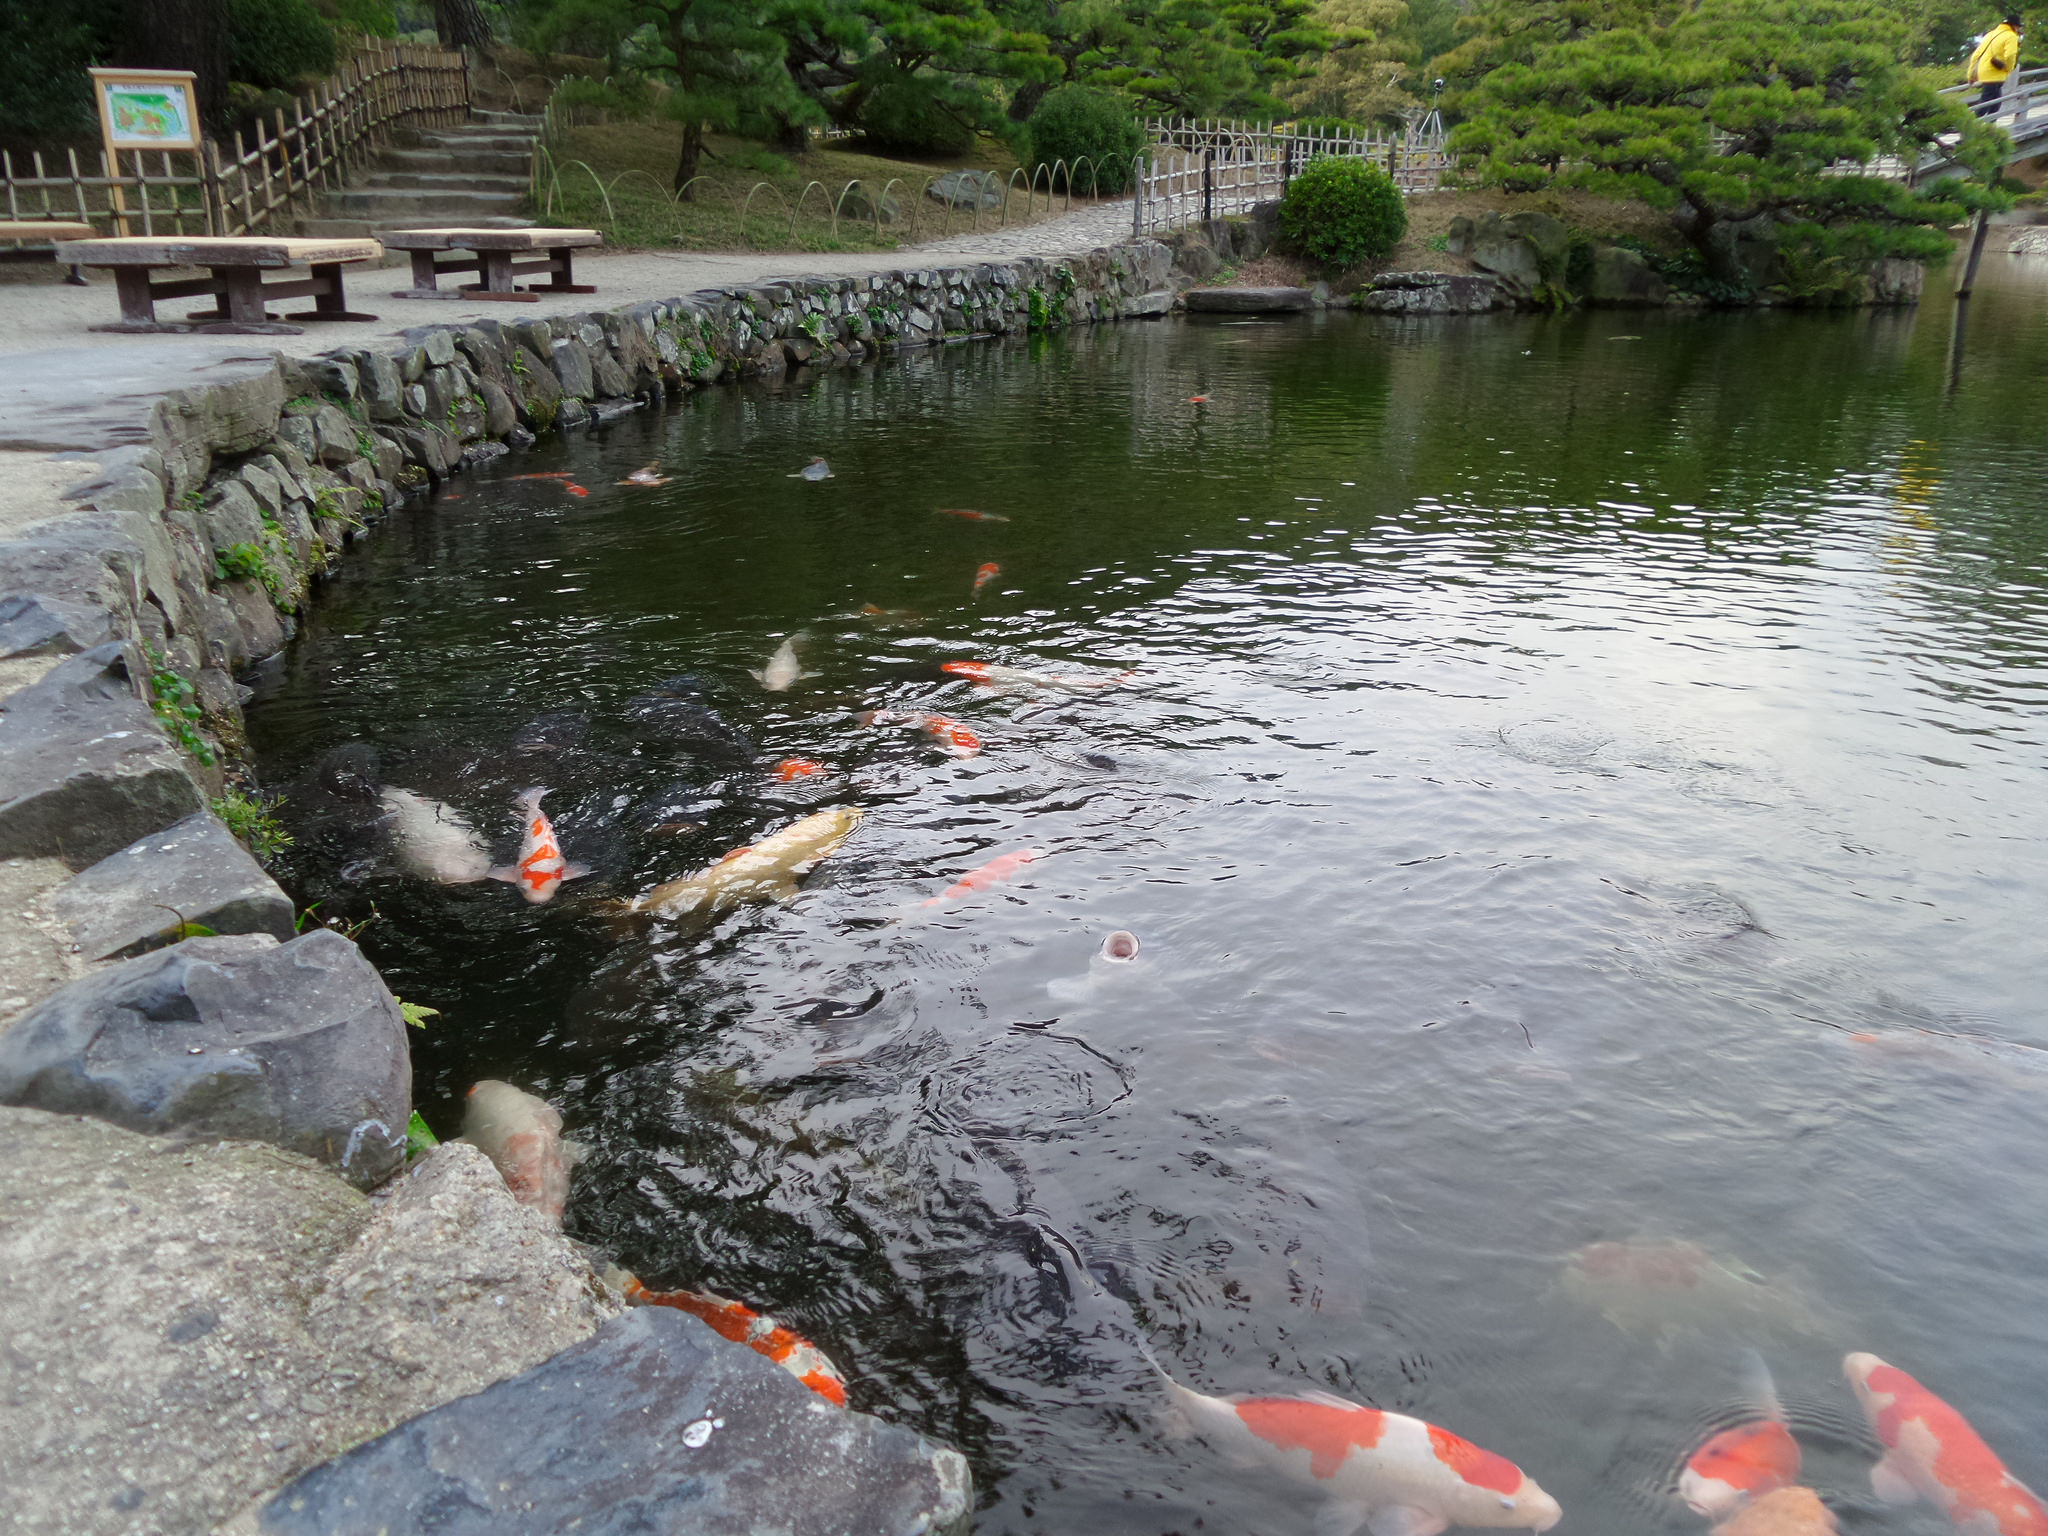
[[2014, 21]]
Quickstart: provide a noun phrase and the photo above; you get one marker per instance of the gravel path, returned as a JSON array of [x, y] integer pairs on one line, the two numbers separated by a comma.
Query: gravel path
[[41, 315]]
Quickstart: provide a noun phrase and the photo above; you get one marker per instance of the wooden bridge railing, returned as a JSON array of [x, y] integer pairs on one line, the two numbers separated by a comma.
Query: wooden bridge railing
[[268, 177]]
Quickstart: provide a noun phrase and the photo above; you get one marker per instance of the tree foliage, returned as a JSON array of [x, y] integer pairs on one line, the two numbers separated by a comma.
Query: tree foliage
[[1079, 122], [1728, 112]]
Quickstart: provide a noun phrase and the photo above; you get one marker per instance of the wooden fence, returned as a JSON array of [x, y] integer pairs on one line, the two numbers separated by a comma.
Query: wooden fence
[[1201, 169], [272, 176]]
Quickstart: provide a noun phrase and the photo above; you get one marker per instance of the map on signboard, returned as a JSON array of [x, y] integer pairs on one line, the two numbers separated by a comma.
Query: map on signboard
[[150, 116]]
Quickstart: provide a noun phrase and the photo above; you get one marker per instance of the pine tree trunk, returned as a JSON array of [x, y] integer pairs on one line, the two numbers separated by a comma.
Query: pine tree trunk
[[693, 154], [461, 24], [180, 34]]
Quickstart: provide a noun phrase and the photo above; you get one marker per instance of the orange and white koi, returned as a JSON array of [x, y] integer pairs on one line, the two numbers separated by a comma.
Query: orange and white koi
[[1786, 1512], [646, 475], [953, 737], [522, 1136], [574, 489], [541, 869], [972, 516], [1932, 1453], [994, 872], [985, 574], [1744, 1462], [1400, 1476], [743, 1325], [790, 769], [990, 675]]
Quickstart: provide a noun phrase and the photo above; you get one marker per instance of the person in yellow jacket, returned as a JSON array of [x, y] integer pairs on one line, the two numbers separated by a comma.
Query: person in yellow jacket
[[1994, 59]]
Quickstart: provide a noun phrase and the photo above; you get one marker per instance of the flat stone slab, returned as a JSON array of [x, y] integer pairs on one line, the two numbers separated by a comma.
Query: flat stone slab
[[1248, 301], [195, 871], [300, 1045], [488, 239], [214, 251], [653, 1425]]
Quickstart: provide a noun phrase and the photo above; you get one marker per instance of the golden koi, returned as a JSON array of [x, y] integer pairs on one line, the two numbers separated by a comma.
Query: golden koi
[[541, 869], [763, 871], [522, 1136]]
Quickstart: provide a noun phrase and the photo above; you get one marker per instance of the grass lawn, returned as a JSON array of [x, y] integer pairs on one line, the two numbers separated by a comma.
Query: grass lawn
[[617, 177]]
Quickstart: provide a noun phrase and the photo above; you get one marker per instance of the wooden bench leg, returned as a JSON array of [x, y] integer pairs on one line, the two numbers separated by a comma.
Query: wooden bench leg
[[561, 279], [329, 303], [423, 271], [242, 297], [138, 306], [495, 268]]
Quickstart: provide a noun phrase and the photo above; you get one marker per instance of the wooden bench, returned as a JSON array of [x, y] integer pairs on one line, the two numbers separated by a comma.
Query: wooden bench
[[490, 253], [236, 266], [43, 229]]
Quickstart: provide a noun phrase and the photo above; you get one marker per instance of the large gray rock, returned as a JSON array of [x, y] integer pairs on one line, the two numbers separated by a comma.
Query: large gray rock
[[1430, 293], [654, 1425], [1622, 279], [84, 767], [187, 1327], [1551, 237], [1248, 301], [297, 1044], [110, 560], [35, 625], [572, 367], [193, 872], [967, 189]]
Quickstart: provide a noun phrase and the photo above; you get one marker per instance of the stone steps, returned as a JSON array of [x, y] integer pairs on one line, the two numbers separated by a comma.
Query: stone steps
[[473, 174]]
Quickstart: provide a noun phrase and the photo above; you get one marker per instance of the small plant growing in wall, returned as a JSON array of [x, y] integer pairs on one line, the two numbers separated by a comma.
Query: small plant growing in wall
[[329, 507], [1037, 309], [254, 820], [175, 701], [244, 562]]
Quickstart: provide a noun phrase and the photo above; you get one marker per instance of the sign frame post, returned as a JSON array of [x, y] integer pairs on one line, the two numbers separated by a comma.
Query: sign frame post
[[143, 109]]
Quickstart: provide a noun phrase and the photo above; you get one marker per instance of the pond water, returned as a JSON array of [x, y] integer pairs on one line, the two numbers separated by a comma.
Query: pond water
[[1581, 801]]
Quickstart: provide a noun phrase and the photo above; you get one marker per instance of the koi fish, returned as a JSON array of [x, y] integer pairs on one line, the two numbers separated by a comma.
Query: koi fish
[[451, 496], [1395, 1475], [646, 476], [433, 841], [574, 489], [1784, 1512], [953, 737], [790, 769], [817, 469], [522, 1136], [1932, 1453], [994, 872], [1198, 399], [971, 515], [989, 675], [1745, 1462], [1116, 961], [763, 871], [890, 615], [986, 574], [1120, 947], [541, 868], [553, 474], [782, 671], [743, 1325]]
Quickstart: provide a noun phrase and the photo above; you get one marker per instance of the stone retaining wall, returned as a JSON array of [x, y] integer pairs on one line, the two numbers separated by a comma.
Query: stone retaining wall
[[155, 978]]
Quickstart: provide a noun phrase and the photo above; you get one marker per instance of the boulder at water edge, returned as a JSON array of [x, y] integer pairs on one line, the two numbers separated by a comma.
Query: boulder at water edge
[[297, 1044], [653, 1425], [195, 872]]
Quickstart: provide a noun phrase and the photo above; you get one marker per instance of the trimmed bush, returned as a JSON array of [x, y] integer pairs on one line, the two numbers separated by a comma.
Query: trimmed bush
[[909, 115], [1340, 212], [1077, 122], [277, 43]]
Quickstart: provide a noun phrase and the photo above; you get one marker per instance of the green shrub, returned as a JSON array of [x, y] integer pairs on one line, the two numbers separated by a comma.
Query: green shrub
[[909, 114], [276, 43], [1079, 122], [1341, 212], [594, 101], [375, 18]]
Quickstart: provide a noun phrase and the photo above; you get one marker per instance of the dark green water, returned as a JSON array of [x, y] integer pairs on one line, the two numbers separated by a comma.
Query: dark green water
[[1559, 743]]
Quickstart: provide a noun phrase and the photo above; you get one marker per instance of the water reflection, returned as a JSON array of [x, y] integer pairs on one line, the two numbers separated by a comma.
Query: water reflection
[[1579, 806]]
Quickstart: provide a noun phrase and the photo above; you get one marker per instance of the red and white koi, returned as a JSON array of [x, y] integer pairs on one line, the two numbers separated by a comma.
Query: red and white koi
[[972, 516], [990, 675], [1745, 1462], [743, 1325], [1932, 1453], [1397, 1475], [522, 1136], [985, 574], [540, 869], [790, 769], [954, 739], [997, 870]]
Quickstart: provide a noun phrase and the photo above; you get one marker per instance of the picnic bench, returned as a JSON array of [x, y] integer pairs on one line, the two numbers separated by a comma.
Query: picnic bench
[[43, 229], [491, 253], [235, 282]]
